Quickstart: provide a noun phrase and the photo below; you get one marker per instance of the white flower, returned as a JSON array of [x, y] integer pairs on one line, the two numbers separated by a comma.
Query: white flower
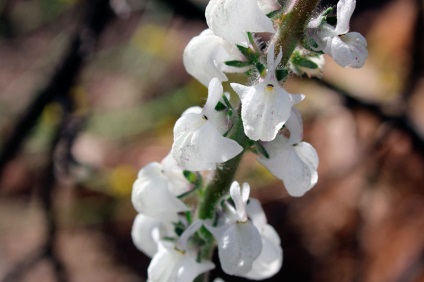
[[239, 242], [176, 262], [205, 56], [266, 106], [348, 49], [198, 141], [152, 187], [231, 19], [292, 161], [270, 260], [147, 231]]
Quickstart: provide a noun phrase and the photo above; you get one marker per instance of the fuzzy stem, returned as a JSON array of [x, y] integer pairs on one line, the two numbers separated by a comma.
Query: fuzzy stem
[[291, 26]]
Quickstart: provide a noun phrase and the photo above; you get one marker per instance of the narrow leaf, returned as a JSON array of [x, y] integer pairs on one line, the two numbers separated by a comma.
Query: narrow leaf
[[261, 149], [238, 64], [281, 74], [220, 106]]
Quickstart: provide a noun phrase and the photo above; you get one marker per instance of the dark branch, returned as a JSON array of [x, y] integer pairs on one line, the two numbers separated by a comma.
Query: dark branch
[[97, 15], [401, 122]]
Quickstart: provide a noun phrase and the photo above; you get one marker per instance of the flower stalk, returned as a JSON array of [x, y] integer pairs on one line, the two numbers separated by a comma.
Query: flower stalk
[[291, 27]]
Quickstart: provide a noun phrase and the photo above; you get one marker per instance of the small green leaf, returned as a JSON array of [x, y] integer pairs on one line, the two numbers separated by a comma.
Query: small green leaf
[[274, 14], [238, 64], [300, 61], [281, 74], [190, 176], [261, 149], [189, 217], [227, 103], [261, 68], [179, 228], [328, 11], [220, 106], [248, 53], [230, 112], [250, 36]]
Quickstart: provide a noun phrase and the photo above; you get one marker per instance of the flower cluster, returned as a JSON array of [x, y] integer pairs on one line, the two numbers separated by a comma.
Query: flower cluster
[[259, 117]]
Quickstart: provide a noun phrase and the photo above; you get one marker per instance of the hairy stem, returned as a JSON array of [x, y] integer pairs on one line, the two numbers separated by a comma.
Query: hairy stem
[[291, 26]]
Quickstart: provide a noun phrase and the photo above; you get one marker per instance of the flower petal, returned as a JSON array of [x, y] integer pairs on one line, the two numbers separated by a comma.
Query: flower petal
[[151, 188], [241, 15], [168, 264], [345, 10], [240, 197], [147, 231], [205, 56], [265, 108], [239, 244], [201, 148], [256, 213], [178, 184], [268, 6], [349, 50], [295, 125], [294, 166], [270, 260]]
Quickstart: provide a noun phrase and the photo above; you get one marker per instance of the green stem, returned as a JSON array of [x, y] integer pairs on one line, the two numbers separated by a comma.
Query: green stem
[[291, 26]]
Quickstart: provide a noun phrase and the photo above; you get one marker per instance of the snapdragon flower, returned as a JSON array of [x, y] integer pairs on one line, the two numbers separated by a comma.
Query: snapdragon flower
[[240, 15], [151, 187], [239, 242], [292, 161], [265, 106], [348, 49], [205, 56], [177, 262], [198, 141]]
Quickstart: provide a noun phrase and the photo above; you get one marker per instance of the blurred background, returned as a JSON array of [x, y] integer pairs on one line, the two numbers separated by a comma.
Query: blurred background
[[90, 91]]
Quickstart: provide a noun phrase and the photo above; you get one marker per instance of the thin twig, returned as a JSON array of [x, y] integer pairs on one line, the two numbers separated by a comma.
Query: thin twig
[[97, 15], [401, 122]]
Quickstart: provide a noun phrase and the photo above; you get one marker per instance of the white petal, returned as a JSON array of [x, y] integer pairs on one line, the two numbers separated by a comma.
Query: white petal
[[198, 145], [265, 108], [204, 57], [256, 213], [295, 125], [345, 10], [215, 91], [241, 15], [324, 37], [270, 260], [152, 188], [178, 184], [182, 241], [268, 6], [295, 167], [239, 244], [147, 231], [169, 265], [272, 63], [240, 197], [349, 50], [309, 155]]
